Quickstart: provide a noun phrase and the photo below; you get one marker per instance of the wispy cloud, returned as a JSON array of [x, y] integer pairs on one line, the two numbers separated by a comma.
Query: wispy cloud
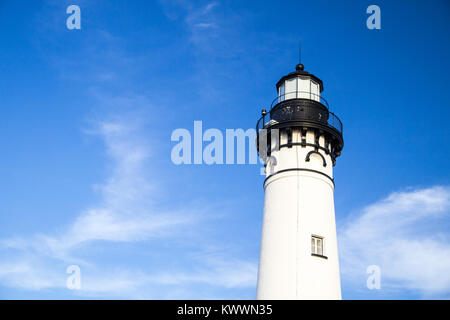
[[210, 274], [216, 271], [203, 22], [126, 212], [26, 274], [406, 235]]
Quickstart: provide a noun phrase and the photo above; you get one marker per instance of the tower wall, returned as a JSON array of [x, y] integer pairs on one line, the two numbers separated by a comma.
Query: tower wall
[[299, 204]]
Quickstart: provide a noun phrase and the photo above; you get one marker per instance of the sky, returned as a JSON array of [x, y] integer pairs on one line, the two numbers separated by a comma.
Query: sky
[[85, 142]]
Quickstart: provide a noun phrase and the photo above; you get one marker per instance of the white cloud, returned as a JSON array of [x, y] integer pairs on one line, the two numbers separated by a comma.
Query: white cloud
[[202, 22], [228, 273], [406, 234], [217, 272], [200, 13], [204, 25], [126, 212], [211, 274], [27, 273]]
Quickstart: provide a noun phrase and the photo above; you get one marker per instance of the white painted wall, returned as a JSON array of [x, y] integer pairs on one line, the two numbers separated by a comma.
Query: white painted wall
[[297, 205]]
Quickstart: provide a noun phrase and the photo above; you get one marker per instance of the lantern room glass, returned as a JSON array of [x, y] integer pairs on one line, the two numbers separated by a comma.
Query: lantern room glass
[[299, 88]]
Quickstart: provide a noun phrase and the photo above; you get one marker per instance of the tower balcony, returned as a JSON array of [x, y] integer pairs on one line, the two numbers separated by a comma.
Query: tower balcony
[[301, 109]]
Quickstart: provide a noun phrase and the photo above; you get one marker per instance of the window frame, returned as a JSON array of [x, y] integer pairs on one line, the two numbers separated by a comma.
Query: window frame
[[315, 239]]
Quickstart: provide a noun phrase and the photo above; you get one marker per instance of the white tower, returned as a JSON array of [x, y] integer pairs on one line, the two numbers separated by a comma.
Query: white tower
[[299, 252]]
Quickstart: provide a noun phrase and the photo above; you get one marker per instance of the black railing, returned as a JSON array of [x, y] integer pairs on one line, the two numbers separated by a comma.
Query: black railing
[[299, 95], [335, 122], [294, 106]]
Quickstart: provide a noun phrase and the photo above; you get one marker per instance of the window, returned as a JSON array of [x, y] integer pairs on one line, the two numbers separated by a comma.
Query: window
[[281, 94], [317, 245], [315, 92], [304, 88], [291, 90]]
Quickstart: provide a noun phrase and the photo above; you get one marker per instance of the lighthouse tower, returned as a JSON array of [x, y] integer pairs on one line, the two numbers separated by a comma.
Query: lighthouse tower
[[299, 139]]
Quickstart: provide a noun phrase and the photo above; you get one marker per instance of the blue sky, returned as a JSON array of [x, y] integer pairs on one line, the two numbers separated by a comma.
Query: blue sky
[[87, 115]]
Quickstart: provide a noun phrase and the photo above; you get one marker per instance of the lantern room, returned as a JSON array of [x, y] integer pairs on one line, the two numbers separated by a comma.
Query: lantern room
[[299, 85]]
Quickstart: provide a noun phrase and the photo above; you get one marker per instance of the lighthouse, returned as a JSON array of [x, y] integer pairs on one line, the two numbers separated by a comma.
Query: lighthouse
[[299, 139]]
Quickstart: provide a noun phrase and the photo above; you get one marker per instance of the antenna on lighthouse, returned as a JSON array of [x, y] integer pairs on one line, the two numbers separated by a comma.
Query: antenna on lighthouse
[[300, 66], [299, 52]]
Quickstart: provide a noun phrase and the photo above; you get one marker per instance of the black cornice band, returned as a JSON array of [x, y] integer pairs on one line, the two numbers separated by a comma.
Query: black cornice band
[[298, 169], [338, 140]]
